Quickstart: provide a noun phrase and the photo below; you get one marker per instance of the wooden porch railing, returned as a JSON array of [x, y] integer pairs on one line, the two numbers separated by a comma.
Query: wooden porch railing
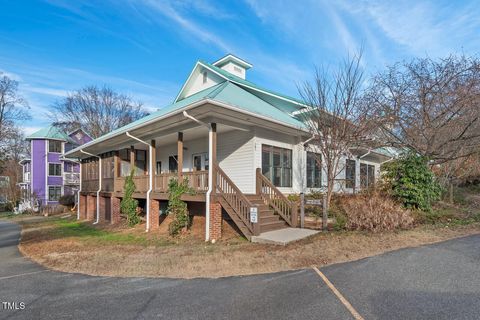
[[277, 200], [197, 180], [235, 199], [161, 181]]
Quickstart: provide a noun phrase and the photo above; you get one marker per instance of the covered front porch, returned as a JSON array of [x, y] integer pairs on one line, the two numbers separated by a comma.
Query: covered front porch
[[210, 147]]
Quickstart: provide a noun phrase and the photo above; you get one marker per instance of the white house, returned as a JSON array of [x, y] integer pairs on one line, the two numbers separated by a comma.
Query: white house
[[238, 144]]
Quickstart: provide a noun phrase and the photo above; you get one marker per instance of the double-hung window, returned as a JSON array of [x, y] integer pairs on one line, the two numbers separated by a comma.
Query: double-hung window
[[140, 162], [314, 170], [367, 175], [124, 156], [277, 165], [173, 163], [55, 146], [54, 169], [54, 193], [350, 174]]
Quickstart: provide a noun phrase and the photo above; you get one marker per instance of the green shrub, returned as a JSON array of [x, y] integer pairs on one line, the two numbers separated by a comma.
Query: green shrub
[[177, 207], [128, 205], [410, 180]]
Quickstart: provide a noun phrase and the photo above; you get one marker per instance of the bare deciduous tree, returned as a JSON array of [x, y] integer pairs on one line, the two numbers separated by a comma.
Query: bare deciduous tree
[[13, 150], [334, 116], [430, 106], [98, 110], [13, 108]]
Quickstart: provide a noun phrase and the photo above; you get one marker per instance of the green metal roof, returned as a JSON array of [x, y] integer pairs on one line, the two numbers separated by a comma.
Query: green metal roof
[[50, 133], [204, 94], [236, 96], [244, 82]]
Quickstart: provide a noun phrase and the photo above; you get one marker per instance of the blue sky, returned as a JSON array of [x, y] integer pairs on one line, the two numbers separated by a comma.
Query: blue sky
[[147, 48]]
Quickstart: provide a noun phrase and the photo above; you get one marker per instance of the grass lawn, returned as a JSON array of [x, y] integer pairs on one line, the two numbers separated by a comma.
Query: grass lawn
[[62, 243], [67, 245], [6, 215]]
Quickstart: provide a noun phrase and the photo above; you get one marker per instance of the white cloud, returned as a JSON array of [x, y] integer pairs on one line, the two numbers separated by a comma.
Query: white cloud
[[196, 30], [426, 27], [28, 130]]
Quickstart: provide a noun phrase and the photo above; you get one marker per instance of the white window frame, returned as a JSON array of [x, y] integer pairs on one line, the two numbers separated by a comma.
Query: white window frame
[[48, 192], [48, 168], [62, 146]]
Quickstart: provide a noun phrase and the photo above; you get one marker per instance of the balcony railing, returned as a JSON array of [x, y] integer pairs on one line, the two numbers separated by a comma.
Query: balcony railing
[[197, 180], [71, 178]]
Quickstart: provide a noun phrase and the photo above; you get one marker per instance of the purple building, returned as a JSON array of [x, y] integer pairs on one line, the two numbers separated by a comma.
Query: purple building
[[47, 175]]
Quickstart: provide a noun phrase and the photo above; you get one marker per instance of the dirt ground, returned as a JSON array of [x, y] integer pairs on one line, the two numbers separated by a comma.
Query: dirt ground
[[121, 251]]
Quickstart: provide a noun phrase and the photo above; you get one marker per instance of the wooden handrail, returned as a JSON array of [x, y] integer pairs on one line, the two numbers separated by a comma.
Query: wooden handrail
[[276, 199], [235, 199]]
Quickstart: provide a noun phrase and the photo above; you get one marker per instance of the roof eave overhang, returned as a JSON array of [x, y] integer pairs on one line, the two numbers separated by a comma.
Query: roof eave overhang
[[75, 153]]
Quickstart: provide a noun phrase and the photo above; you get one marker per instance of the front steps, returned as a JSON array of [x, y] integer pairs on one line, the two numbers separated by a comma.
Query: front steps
[[269, 221]]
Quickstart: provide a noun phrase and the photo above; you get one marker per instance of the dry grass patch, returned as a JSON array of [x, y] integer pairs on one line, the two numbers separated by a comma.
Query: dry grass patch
[[70, 246]]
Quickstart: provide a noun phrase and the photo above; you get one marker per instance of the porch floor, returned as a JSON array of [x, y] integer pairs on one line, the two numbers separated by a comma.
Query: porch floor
[[283, 236]]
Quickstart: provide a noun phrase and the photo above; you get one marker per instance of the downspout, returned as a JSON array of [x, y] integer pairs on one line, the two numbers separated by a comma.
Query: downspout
[[210, 173], [150, 176], [78, 193], [99, 182]]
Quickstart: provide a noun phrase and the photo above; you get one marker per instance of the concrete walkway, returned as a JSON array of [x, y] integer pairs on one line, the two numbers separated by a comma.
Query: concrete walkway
[[283, 236]]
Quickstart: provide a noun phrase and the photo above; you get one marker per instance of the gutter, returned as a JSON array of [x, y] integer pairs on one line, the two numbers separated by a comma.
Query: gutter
[[150, 176], [387, 160], [210, 173], [99, 182]]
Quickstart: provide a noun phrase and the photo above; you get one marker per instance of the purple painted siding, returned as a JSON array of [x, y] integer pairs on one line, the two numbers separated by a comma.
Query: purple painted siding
[[55, 181], [39, 165], [80, 137], [54, 157], [39, 176]]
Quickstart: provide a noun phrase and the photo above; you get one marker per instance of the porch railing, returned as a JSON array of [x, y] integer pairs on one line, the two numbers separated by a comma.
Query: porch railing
[[161, 181], [71, 177], [277, 200], [197, 180], [235, 199]]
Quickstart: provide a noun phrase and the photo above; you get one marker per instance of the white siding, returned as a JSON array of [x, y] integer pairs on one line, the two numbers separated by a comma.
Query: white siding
[[239, 153], [196, 83], [235, 153]]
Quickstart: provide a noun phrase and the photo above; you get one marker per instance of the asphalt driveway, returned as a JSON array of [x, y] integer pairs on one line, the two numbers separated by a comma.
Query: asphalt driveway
[[440, 281]]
